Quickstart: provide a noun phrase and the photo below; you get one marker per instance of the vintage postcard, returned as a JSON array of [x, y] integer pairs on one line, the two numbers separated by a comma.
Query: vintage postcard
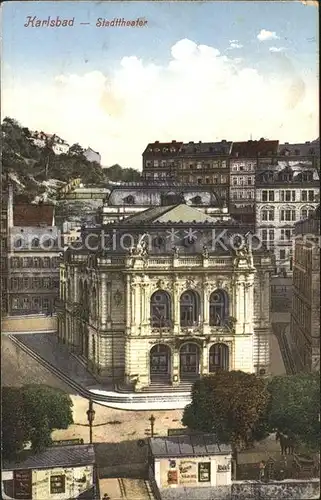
[[160, 250]]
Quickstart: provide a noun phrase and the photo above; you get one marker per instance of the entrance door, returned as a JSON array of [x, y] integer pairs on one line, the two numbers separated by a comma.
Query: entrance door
[[189, 361], [159, 362]]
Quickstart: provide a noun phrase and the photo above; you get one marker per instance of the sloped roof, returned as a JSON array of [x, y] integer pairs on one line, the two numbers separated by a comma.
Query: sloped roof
[[181, 213], [188, 446], [33, 215], [62, 456], [303, 149], [206, 148], [254, 148], [162, 148]]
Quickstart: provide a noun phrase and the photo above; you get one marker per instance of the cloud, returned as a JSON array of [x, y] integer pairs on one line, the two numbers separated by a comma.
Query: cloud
[[199, 94], [235, 45], [265, 35], [277, 49]]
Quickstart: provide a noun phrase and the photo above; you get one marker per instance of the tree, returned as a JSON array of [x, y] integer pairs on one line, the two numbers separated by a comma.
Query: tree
[[294, 406], [46, 409], [31, 413], [15, 431], [230, 404]]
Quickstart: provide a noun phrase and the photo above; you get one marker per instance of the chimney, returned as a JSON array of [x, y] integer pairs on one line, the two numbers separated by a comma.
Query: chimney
[[10, 206], [223, 141], [156, 142], [307, 142], [191, 142], [173, 142]]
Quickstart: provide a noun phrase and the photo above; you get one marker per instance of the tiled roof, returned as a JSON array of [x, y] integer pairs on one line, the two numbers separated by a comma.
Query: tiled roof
[[188, 446], [206, 148], [33, 215], [162, 148], [253, 148], [62, 456]]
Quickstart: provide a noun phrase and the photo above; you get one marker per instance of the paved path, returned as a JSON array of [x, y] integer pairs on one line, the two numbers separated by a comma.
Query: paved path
[[125, 489]]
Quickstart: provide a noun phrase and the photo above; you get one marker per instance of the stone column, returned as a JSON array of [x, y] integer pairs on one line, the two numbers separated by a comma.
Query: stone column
[[175, 367], [206, 309], [205, 359], [108, 301], [103, 300], [128, 299], [176, 308]]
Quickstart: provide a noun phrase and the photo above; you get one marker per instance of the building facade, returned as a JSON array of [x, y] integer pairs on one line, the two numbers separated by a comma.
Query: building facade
[[243, 166], [33, 260], [160, 160], [191, 462], [58, 145], [287, 190], [168, 306], [305, 314], [205, 163], [55, 473]]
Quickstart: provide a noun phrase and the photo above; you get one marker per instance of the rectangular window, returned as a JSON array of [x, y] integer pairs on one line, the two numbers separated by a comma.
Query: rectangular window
[[264, 196], [26, 283], [287, 195], [15, 262], [204, 472], [46, 262], [36, 302], [36, 262], [293, 196], [264, 234], [271, 234], [271, 195], [249, 181], [14, 283], [304, 196], [57, 484], [25, 303], [282, 254], [46, 282], [311, 195], [45, 304]]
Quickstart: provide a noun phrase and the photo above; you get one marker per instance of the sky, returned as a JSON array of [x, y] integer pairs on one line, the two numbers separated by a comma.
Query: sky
[[195, 71]]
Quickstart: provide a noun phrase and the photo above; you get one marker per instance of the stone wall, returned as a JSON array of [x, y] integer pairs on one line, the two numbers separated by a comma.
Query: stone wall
[[29, 324], [247, 490]]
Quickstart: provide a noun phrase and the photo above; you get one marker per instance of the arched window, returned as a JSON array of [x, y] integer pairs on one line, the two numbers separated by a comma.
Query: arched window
[[159, 360], [306, 212], [160, 309], [267, 214], [35, 243], [197, 200], [218, 308], [218, 358], [189, 308], [18, 243], [48, 243]]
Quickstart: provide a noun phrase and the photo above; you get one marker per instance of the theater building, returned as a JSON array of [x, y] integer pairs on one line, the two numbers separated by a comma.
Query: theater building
[[173, 300]]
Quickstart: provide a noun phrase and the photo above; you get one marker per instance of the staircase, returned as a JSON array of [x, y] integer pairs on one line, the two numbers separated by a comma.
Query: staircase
[[161, 387]]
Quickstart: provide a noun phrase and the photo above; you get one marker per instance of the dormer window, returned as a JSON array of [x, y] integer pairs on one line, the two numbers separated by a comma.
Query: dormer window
[[130, 200], [157, 150], [197, 200]]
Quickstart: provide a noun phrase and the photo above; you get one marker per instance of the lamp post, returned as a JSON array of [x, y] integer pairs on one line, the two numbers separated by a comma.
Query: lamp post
[[152, 422], [91, 417]]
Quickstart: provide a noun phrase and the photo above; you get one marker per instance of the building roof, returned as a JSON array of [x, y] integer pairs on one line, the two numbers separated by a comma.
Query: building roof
[[162, 148], [304, 149], [188, 446], [206, 148], [33, 215], [252, 149], [57, 456], [180, 213]]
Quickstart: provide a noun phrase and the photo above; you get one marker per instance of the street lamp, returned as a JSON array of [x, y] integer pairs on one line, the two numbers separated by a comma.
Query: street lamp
[[91, 417], [152, 422]]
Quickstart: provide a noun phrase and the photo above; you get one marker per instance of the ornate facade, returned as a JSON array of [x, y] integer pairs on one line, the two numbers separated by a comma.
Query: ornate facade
[[168, 302]]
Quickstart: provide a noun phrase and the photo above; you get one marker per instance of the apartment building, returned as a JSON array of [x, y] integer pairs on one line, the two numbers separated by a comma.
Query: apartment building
[[243, 165], [160, 160], [305, 314], [287, 190], [33, 259]]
